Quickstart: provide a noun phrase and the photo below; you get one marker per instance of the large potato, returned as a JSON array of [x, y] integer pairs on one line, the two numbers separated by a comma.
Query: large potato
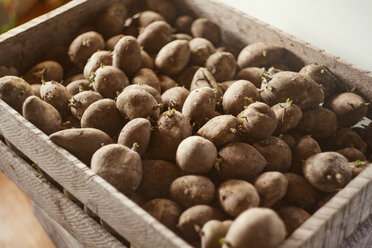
[[304, 148], [147, 88], [175, 97], [271, 187], [44, 71], [109, 81], [321, 75], [147, 17], [155, 36], [222, 65], [204, 28], [200, 50], [97, 60], [112, 20], [318, 122], [55, 94], [81, 101], [14, 91], [127, 55], [288, 116]]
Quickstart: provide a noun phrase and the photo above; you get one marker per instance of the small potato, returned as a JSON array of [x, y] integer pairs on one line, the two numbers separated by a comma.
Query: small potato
[[147, 88], [221, 130], [147, 17], [137, 104], [163, 7], [111, 43], [204, 78], [240, 161], [288, 116], [97, 60], [194, 218], [222, 65], [292, 217], [136, 135], [236, 196], [357, 167], [175, 98], [166, 82], [256, 228], [148, 77], [276, 152], [304, 148], [112, 20], [81, 101], [83, 47], [81, 142], [165, 211], [119, 166], [259, 120], [346, 137], [213, 232], [55, 94], [109, 81], [127, 55], [185, 78], [288, 139], [238, 96], [271, 187], [72, 78], [155, 36], [14, 91], [327, 171], [181, 36], [204, 28], [183, 24], [36, 89], [196, 155], [318, 122], [251, 74], [352, 154], [78, 86], [157, 178], [44, 71], [42, 114], [349, 108], [302, 90], [173, 57], [200, 50], [146, 60], [104, 116], [8, 71], [192, 190]]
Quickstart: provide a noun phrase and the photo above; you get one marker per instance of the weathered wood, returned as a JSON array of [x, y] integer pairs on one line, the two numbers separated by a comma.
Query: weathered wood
[[73, 219]]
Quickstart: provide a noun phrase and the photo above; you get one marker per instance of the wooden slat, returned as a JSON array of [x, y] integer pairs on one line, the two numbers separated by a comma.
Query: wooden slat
[[83, 228]]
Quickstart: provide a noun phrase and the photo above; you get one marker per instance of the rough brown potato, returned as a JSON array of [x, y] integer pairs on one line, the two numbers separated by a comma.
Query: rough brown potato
[[200, 49], [222, 65], [146, 60], [109, 81], [97, 60], [256, 228], [112, 20], [147, 17], [288, 139], [288, 116], [166, 82], [357, 167], [183, 24], [252, 74], [175, 98], [204, 28], [163, 7], [352, 154], [181, 36], [292, 217], [111, 43], [127, 55], [155, 36], [44, 71], [204, 78], [304, 148], [327, 171], [213, 232], [42, 114], [81, 142], [55, 94], [78, 86], [346, 137], [318, 122], [14, 91], [271, 187], [185, 78], [81, 101], [147, 88], [148, 77]]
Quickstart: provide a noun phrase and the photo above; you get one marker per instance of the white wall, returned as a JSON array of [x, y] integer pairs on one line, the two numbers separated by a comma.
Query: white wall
[[341, 27]]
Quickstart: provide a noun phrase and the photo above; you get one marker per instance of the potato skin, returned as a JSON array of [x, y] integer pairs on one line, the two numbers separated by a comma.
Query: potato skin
[[288, 116], [175, 98], [357, 167], [346, 137], [127, 55], [200, 50], [183, 24], [212, 232], [14, 91], [155, 36], [111, 42], [112, 20], [318, 122], [78, 86], [147, 17], [81, 142], [81, 101], [55, 94], [147, 88], [251, 74], [202, 27], [109, 81], [304, 148], [36, 89], [146, 60], [292, 217], [256, 228], [222, 65], [204, 78], [352, 154], [8, 71], [97, 60], [271, 187], [321, 75], [44, 71], [148, 77], [42, 114], [185, 78]]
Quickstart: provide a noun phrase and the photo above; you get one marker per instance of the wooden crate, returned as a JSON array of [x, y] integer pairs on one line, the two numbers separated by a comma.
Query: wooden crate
[[24, 46]]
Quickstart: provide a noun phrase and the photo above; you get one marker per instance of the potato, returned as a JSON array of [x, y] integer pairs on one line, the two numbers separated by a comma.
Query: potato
[[181, 36], [357, 167], [55, 94], [83, 47], [220, 130], [352, 154], [183, 24], [157, 178], [238, 96], [78, 86], [81, 142], [292, 217], [222, 65], [146, 60], [72, 79], [97, 60], [148, 77], [8, 71], [271, 187], [43, 115], [110, 81], [349, 108], [147, 17], [288, 139], [155, 36], [199, 106], [256, 228], [213, 232], [137, 104], [104, 116], [225, 85], [185, 78], [147, 88], [166, 82], [321, 75], [302, 90], [111, 43], [14, 91], [300, 193], [204, 28], [119, 166], [112, 20], [288, 116], [192, 190], [173, 57], [175, 98], [276, 152], [318, 122], [264, 55], [136, 135], [327, 171], [36, 89], [196, 155], [346, 137], [304, 148], [194, 218], [127, 55], [165, 211], [171, 128], [251, 74], [81, 101], [200, 50], [240, 161], [164, 8], [44, 71], [258, 120]]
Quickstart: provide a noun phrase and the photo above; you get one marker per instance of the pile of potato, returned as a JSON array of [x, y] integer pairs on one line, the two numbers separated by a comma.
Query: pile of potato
[[226, 149]]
